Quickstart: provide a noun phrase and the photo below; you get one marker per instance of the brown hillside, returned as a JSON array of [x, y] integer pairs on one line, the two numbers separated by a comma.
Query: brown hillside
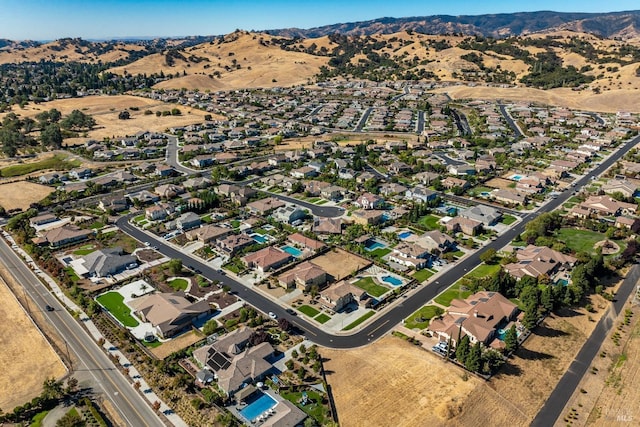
[[66, 51]]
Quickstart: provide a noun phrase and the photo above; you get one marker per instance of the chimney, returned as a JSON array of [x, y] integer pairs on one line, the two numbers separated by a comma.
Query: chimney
[[475, 313]]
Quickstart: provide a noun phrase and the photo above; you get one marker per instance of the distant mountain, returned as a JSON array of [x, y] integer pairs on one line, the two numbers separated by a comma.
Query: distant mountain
[[608, 25], [12, 44]]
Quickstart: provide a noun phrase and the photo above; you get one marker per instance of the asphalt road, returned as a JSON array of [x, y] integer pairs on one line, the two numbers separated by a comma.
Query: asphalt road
[[131, 406], [554, 405], [420, 122], [317, 210], [384, 321], [363, 120], [510, 121]]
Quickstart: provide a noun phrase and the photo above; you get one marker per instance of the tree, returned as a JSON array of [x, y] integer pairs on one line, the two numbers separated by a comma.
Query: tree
[[51, 136], [210, 327], [175, 266], [284, 324], [488, 256], [511, 339], [474, 358], [71, 419], [51, 389], [462, 350], [124, 115]]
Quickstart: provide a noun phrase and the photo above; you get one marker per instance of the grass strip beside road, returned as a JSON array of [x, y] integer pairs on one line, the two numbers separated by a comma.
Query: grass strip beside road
[[359, 321]]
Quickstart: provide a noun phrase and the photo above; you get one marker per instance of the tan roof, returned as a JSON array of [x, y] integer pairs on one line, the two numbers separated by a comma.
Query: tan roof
[[265, 258], [304, 272], [328, 226], [168, 310], [536, 261], [208, 232], [341, 289], [66, 232], [306, 241], [266, 205]]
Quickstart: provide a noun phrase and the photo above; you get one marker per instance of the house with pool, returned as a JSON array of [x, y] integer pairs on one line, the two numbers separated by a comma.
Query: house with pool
[[483, 317]]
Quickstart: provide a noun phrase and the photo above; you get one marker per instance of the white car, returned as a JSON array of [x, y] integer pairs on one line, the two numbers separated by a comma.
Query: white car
[[272, 315]]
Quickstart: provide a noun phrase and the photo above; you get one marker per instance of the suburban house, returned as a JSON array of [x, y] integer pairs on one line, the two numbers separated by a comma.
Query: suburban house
[[168, 191], [155, 213], [367, 217], [369, 201], [481, 213], [235, 243], [43, 219], [623, 186], [450, 182], [234, 362], [266, 259], [208, 233], [509, 196], [80, 173], [434, 240], [62, 236], [420, 194], [170, 313], [187, 221], [165, 170], [113, 203], [538, 261], [327, 226], [197, 182], [104, 263], [467, 226], [632, 224], [303, 276], [410, 255], [333, 192], [303, 172], [289, 214], [302, 241], [339, 295], [265, 206], [478, 317], [602, 206]]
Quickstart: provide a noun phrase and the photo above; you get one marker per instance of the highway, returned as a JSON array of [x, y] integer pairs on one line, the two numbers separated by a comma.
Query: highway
[[131, 406], [389, 317]]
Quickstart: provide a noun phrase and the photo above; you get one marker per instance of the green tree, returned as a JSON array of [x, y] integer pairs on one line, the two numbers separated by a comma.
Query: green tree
[[210, 327], [462, 350], [511, 339], [175, 266], [71, 419], [488, 256], [51, 136], [474, 358]]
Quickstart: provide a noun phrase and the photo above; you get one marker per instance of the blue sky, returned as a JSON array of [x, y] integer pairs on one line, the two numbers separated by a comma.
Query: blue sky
[[52, 19]]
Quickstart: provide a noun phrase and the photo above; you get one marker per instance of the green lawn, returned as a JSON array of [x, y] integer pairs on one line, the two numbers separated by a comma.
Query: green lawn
[[72, 274], [484, 270], [56, 162], [430, 222], [308, 310], [113, 302], [380, 252], [235, 223], [314, 408], [178, 284], [422, 275], [579, 240], [97, 224], [36, 421], [359, 321], [371, 287], [206, 219], [420, 318], [235, 266], [458, 254], [152, 344], [138, 218], [322, 202], [84, 250], [450, 294], [322, 318], [508, 219]]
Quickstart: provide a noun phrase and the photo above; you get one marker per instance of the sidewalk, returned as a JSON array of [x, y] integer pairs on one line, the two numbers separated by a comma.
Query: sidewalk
[[95, 333]]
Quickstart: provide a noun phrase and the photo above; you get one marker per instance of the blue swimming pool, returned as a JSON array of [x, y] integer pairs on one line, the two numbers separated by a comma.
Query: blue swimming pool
[[503, 332], [405, 234], [485, 194], [562, 282], [258, 238], [292, 251], [373, 245], [259, 404], [516, 177], [393, 281]]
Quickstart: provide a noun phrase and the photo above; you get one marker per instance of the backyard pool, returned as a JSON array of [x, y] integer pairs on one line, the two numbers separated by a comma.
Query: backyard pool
[[373, 245], [516, 177], [485, 194], [405, 234], [292, 251], [258, 405], [562, 282], [503, 332], [258, 238], [393, 281]]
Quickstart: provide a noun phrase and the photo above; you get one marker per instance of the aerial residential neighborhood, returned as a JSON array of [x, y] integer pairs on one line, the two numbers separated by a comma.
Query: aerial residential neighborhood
[[370, 223]]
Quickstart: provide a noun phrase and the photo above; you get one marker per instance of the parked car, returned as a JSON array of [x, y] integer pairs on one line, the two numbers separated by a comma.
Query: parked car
[[272, 315]]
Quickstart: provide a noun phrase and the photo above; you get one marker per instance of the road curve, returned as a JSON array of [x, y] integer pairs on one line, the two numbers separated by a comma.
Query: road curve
[[384, 321], [131, 406]]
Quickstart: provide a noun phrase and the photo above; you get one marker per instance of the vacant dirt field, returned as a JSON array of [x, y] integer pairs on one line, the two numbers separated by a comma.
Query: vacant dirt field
[[612, 386], [339, 263], [176, 344], [344, 139], [22, 194], [105, 110], [498, 183], [26, 357], [394, 383]]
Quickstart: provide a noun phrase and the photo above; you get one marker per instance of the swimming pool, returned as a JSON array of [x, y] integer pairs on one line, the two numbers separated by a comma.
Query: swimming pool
[[373, 245], [503, 332], [562, 282], [258, 238], [485, 194], [393, 281], [405, 234], [292, 251], [258, 405], [516, 177]]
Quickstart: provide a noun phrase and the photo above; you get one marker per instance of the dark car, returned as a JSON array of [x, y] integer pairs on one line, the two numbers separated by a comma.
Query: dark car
[[49, 308], [291, 311]]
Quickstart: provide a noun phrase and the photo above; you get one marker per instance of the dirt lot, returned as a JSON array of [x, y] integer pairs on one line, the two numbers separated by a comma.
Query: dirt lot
[[343, 139], [22, 194], [498, 183], [176, 344], [105, 110], [612, 386], [339, 263], [394, 383], [26, 357]]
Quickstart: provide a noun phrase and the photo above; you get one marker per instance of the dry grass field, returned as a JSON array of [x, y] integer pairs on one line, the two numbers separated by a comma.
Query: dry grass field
[[105, 110], [65, 52], [498, 183], [612, 386], [176, 344], [22, 194], [339, 263], [394, 383], [26, 358]]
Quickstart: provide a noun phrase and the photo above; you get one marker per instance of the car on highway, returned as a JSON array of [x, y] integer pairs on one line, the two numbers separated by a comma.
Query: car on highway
[[272, 315], [291, 311], [49, 308]]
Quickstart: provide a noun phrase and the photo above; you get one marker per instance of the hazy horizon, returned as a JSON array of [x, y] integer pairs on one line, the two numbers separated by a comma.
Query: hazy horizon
[[43, 20]]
